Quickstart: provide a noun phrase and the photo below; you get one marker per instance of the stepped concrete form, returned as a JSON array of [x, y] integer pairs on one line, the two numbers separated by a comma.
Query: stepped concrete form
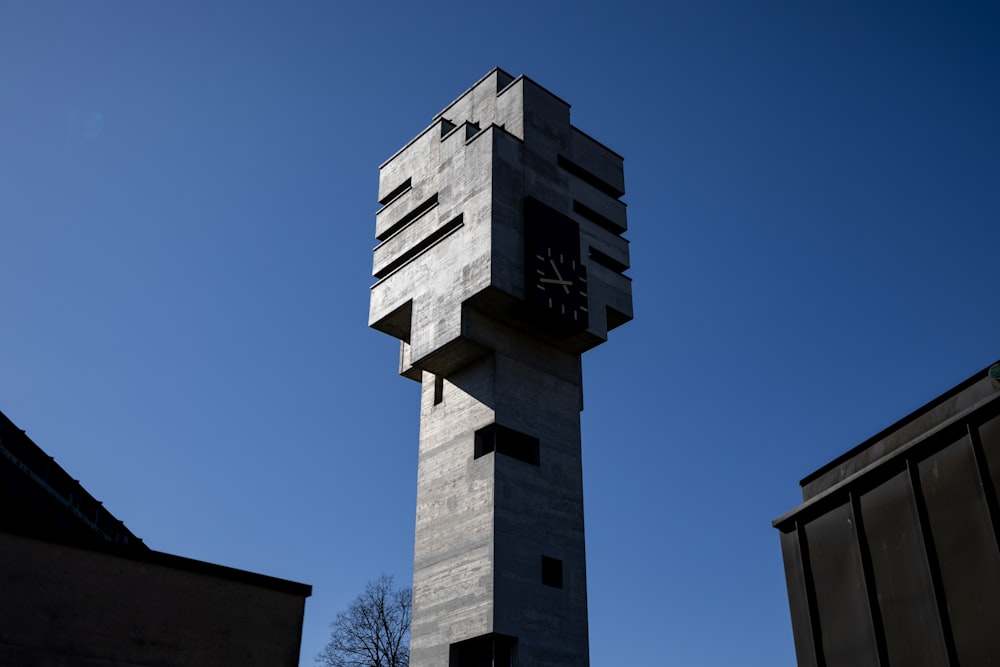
[[499, 559]]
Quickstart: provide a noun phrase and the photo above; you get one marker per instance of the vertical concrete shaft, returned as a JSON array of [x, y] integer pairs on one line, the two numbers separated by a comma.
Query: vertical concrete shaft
[[484, 524]]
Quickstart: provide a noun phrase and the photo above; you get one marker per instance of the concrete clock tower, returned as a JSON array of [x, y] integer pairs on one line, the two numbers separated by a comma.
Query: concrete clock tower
[[500, 260]]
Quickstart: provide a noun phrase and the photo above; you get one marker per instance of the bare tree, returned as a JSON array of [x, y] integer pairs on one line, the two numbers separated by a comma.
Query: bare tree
[[374, 631]]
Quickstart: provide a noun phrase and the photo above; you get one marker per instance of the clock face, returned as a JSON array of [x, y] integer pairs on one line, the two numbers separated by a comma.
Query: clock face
[[555, 278], [560, 284]]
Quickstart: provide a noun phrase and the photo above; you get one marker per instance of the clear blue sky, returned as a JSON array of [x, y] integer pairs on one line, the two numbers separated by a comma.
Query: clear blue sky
[[187, 198]]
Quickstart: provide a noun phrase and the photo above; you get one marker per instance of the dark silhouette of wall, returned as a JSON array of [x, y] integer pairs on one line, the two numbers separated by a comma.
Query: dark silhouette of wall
[[78, 588], [894, 555]]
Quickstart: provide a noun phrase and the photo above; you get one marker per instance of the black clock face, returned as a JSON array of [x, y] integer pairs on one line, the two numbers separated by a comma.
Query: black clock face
[[555, 278], [560, 284]]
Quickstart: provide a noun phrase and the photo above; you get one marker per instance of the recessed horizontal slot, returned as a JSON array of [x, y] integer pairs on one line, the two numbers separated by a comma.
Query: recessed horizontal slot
[[420, 209], [603, 222], [589, 178], [606, 261], [420, 247], [398, 190], [506, 441], [492, 650]]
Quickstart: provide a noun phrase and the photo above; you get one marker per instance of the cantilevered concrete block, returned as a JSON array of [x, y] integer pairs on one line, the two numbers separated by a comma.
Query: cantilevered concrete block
[[451, 229]]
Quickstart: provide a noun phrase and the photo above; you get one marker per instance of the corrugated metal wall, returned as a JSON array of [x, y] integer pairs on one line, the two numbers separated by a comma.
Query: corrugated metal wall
[[900, 563]]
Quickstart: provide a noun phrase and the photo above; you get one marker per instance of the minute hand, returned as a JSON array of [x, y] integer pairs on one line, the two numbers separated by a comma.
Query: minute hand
[[564, 283]]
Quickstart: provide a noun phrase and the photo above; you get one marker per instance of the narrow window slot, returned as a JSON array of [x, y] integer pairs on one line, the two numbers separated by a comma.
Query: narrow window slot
[[606, 261], [601, 221], [420, 247], [589, 178], [438, 389], [418, 211], [398, 190], [506, 441]]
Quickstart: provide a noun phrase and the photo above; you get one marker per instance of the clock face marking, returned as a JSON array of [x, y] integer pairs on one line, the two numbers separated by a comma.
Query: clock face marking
[[554, 266]]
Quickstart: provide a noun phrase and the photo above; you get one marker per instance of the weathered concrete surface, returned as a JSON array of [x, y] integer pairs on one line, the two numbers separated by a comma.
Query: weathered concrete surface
[[450, 285], [453, 235]]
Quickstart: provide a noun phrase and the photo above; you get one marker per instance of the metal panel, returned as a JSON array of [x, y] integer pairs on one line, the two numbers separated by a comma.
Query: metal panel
[[910, 620], [848, 638], [989, 444], [798, 600], [905, 526], [966, 549]]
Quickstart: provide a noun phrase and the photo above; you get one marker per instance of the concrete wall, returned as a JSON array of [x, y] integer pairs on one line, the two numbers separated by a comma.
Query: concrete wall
[[483, 524], [503, 140], [492, 528], [62, 606]]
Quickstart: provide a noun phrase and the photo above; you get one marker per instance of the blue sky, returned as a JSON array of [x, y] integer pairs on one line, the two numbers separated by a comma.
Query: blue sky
[[187, 198]]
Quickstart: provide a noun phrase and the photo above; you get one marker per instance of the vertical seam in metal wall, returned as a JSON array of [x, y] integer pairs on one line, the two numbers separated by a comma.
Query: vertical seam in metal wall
[[868, 575], [932, 561], [985, 482], [807, 578]]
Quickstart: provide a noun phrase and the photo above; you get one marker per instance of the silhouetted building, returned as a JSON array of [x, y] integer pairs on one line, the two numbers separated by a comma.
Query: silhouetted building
[[79, 588], [893, 558]]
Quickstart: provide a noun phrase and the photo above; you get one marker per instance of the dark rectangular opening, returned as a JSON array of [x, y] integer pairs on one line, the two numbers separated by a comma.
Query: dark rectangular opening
[[589, 178], [492, 650], [420, 246], [603, 222], [506, 441], [438, 389], [396, 191], [552, 572], [607, 261], [418, 211]]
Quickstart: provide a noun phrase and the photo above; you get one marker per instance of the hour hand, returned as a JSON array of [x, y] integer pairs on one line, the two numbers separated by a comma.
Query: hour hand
[[564, 283], [555, 282]]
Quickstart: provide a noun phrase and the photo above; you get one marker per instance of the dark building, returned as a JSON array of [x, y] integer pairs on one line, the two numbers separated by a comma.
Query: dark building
[[79, 588], [893, 558]]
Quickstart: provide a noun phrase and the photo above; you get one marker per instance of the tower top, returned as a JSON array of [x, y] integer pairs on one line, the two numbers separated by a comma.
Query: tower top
[[473, 206]]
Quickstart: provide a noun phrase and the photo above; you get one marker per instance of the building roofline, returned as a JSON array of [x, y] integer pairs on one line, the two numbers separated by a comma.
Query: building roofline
[[886, 432], [514, 79], [146, 555], [96, 539]]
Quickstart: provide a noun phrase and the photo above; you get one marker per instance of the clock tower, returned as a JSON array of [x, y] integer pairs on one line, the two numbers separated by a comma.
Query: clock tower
[[500, 260]]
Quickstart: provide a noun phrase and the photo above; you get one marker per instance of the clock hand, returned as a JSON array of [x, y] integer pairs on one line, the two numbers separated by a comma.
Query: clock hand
[[554, 282], [562, 282]]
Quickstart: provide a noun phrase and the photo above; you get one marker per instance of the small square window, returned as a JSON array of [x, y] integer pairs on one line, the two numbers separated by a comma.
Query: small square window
[[552, 572]]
